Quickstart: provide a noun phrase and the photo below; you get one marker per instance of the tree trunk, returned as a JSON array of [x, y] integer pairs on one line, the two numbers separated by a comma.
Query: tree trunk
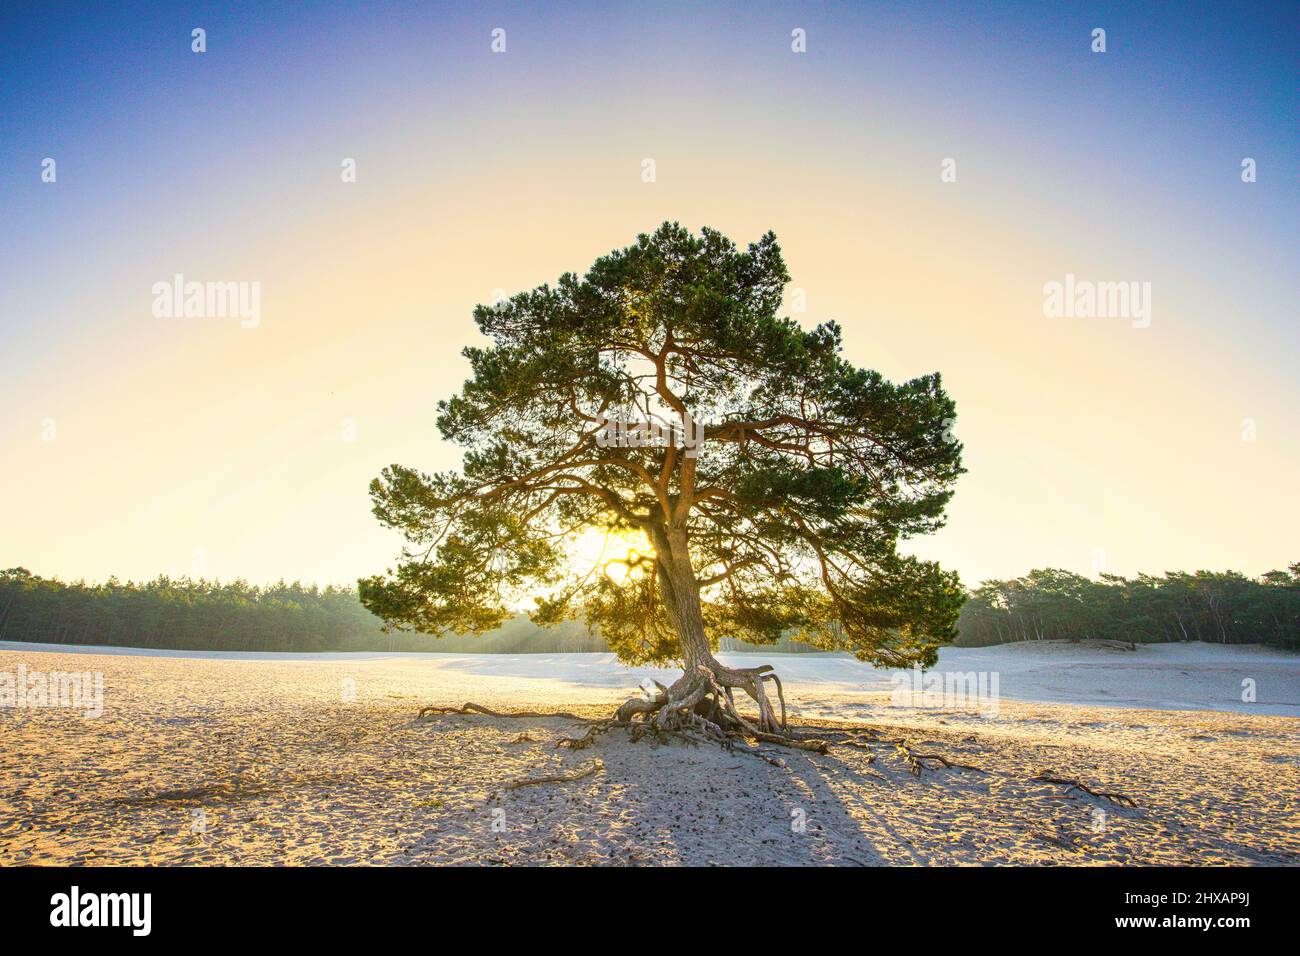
[[681, 594], [701, 699]]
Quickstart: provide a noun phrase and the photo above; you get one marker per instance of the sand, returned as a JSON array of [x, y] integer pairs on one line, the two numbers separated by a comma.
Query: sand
[[259, 759]]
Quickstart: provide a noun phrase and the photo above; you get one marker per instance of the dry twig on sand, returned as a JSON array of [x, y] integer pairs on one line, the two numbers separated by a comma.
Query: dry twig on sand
[[586, 740], [472, 708], [591, 768], [916, 761], [1071, 784]]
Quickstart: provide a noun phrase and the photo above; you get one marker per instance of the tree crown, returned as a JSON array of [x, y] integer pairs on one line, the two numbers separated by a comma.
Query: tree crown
[[805, 474]]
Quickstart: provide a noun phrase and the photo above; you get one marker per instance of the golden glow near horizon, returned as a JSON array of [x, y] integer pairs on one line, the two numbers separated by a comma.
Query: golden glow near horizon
[[247, 452], [134, 445]]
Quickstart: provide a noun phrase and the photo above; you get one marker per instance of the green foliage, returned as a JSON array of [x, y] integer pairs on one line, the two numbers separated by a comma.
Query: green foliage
[[1219, 607], [811, 472]]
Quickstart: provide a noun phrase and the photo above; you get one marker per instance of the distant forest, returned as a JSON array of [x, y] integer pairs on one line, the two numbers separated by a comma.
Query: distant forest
[[184, 614], [1217, 607]]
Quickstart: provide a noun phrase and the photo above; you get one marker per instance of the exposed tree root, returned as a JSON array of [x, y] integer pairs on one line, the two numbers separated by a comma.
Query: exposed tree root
[[702, 703], [761, 755], [860, 737], [798, 743], [1070, 784], [780, 693], [866, 737], [690, 728], [700, 708]]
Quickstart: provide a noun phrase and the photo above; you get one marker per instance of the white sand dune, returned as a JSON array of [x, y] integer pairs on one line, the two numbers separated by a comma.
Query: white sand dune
[[1160, 676], [264, 759]]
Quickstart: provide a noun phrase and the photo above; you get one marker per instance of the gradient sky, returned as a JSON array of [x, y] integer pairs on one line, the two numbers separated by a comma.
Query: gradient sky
[[1090, 444]]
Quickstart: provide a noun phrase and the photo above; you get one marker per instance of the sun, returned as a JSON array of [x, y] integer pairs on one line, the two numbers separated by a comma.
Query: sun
[[614, 553]]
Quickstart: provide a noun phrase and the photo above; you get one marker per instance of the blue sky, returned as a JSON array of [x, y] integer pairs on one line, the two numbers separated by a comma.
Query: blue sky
[[483, 171]]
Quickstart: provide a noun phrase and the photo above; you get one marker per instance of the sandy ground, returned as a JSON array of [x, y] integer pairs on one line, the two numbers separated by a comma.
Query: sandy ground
[[228, 759]]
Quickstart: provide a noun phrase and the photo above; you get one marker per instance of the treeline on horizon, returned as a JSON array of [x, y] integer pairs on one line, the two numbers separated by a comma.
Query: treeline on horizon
[[185, 614], [188, 614], [1219, 607]]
